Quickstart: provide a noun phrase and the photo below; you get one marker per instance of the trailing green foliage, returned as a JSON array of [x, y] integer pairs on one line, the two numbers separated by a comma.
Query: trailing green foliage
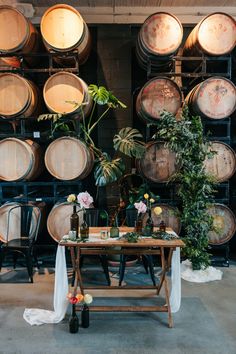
[[128, 141], [195, 186]]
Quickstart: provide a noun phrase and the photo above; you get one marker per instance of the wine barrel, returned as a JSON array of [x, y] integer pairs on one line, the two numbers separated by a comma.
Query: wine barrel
[[214, 35], [67, 159], [158, 40], [223, 163], [58, 221], [63, 30], [17, 34], [214, 98], [20, 159], [158, 163], [169, 215], [14, 227], [224, 222], [157, 95], [64, 88], [18, 96]]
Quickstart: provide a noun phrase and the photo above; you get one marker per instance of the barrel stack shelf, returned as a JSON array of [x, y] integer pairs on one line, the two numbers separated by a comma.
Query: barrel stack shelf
[[218, 131], [45, 188]]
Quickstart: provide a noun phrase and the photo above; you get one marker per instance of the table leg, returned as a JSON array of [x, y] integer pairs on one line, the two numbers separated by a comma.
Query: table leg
[[164, 265]]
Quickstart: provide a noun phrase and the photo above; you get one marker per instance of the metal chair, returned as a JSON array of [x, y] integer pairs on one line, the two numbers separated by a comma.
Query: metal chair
[[98, 217], [22, 230], [131, 217]]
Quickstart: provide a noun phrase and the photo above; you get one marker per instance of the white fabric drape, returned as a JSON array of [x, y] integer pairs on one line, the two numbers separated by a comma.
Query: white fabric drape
[[39, 316], [175, 295]]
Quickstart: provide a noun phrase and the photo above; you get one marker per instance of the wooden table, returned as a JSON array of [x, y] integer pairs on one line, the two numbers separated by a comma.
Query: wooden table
[[148, 246]]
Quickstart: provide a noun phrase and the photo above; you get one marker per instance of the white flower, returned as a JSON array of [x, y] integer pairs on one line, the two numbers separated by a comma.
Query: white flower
[[88, 299], [85, 200], [141, 207], [71, 198]]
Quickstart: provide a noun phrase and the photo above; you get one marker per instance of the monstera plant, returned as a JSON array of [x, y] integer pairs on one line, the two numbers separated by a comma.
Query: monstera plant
[[128, 141]]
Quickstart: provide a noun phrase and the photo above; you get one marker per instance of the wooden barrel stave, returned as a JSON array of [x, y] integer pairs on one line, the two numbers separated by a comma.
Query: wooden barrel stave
[[20, 159], [214, 35], [225, 223], [67, 158], [24, 37], [159, 47], [63, 30], [62, 89], [214, 98], [158, 163], [158, 94], [223, 164], [18, 96]]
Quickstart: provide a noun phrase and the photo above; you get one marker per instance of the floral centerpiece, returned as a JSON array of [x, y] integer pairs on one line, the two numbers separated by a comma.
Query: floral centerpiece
[[142, 208], [84, 200]]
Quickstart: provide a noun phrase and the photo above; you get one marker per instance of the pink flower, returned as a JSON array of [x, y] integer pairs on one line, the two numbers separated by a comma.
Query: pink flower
[[85, 200], [141, 207]]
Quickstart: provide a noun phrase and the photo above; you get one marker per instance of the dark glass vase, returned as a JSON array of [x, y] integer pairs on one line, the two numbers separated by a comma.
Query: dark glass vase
[[73, 321], [162, 226], [74, 221], [85, 316], [139, 224], [84, 228], [148, 229]]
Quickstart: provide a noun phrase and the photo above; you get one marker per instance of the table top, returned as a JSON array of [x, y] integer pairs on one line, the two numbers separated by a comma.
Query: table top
[[96, 241]]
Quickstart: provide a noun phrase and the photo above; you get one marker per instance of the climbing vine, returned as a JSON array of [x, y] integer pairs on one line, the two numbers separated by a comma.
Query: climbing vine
[[195, 186]]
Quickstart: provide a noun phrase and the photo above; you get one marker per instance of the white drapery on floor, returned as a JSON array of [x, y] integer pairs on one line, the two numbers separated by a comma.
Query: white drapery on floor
[[199, 276], [39, 316]]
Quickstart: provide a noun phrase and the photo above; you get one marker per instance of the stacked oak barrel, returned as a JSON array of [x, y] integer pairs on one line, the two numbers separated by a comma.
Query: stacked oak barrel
[[212, 96], [33, 82]]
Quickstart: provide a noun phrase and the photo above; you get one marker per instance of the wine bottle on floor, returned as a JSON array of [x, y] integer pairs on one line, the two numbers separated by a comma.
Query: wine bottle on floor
[[73, 321], [85, 316]]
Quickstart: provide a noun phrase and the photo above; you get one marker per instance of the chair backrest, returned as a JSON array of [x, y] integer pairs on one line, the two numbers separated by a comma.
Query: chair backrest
[[95, 217], [23, 222]]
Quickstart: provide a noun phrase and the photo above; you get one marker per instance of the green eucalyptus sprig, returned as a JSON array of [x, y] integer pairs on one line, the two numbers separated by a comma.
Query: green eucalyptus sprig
[[131, 237]]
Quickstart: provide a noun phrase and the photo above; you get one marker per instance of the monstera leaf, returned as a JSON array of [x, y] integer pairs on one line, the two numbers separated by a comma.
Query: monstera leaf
[[107, 170], [130, 142], [100, 95]]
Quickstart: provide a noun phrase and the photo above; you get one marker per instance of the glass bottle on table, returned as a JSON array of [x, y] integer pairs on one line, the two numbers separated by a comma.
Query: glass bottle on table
[[139, 224], [84, 228], [74, 221], [114, 230], [148, 229], [162, 226]]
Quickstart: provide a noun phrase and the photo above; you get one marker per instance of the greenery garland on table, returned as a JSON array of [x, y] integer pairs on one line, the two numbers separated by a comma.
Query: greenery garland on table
[[195, 186], [133, 237]]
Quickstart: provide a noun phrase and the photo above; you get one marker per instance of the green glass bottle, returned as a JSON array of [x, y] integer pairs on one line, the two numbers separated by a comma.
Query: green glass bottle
[[114, 230], [148, 229], [84, 228]]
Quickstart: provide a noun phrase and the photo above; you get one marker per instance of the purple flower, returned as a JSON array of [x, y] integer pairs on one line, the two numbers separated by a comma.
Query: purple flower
[[85, 200], [141, 207]]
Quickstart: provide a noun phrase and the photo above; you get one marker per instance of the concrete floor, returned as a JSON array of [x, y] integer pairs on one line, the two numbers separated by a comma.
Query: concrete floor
[[206, 323]]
